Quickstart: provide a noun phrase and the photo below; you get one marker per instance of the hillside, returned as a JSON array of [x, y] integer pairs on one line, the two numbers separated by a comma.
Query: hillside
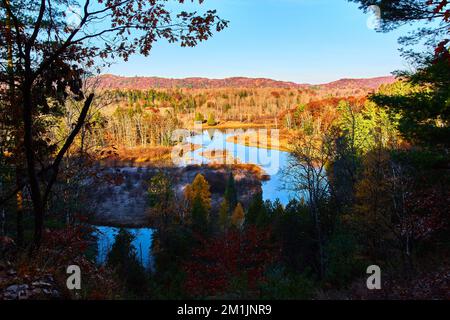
[[109, 81]]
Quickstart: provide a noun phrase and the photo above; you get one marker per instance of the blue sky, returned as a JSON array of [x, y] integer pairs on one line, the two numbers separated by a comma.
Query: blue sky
[[305, 41]]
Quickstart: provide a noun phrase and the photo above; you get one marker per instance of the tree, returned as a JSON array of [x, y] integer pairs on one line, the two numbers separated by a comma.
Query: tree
[[198, 197], [422, 103], [199, 216], [123, 259], [361, 129], [160, 191], [306, 174], [424, 107], [231, 265], [434, 14], [257, 214], [224, 215], [230, 192], [199, 117], [199, 189], [211, 120], [162, 199], [49, 55], [238, 216]]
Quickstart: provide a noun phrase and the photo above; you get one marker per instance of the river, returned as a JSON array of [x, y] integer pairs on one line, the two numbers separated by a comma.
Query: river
[[271, 161]]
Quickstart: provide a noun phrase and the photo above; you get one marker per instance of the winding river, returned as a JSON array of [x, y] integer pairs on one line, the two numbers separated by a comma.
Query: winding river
[[271, 161]]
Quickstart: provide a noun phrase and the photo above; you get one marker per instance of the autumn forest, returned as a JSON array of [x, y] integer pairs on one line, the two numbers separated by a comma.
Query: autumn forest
[[158, 188]]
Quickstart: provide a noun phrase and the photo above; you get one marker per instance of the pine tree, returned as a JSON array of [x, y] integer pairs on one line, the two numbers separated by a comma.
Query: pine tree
[[199, 216], [124, 260], [230, 192], [224, 215], [257, 213]]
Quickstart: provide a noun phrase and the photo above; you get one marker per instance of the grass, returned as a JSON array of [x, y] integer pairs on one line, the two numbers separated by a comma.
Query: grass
[[139, 156], [264, 141]]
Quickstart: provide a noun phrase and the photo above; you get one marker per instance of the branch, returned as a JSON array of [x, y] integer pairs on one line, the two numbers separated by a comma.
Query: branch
[[37, 26], [16, 25], [67, 144], [46, 63]]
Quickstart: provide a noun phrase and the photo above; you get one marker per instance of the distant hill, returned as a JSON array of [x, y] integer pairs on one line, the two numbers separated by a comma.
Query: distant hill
[[370, 83], [109, 81]]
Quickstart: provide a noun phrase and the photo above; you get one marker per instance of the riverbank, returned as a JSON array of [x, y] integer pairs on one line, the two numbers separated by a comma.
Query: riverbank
[[123, 203], [236, 125], [142, 156], [263, 140]]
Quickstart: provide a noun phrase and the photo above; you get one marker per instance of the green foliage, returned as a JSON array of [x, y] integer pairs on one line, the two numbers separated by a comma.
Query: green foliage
[[169, 277], [368, 128], [199, 190], [257, 213], [123, 259], [294, 230], [199, 117], [281, 285], [430, 17], [211, 120], [199, 216], [423, 104], [230, 192], [342, 252], [224, 215], [160, 191]]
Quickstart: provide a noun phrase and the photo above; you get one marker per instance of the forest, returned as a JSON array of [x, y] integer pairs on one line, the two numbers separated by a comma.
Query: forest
[[363, 180]]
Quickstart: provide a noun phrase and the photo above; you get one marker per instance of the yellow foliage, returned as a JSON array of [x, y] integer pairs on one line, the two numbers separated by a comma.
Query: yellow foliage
[[237, 219], [199, 188]]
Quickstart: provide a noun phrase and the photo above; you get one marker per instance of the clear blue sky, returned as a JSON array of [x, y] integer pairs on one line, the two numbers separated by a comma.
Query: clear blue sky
[[305, 41]]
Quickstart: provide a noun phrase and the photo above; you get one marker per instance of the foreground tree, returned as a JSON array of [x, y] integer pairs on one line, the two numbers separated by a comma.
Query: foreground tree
[[231, 265], [48, 54], [434, 16], [424, 105], [306, 175]]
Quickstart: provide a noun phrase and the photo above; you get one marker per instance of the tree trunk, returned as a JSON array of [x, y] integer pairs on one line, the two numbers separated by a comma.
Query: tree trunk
[[36, 196]]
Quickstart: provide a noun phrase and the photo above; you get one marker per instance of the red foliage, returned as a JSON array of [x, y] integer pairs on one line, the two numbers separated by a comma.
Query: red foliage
[[110, 82], [243, 255], [442, 52], [65, 245], [430, 212], [318, 106]]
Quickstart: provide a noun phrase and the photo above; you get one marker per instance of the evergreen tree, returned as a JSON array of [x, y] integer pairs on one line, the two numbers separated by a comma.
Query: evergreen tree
[[224, 215], [257, 213], [230, 192], [199, 216], [124, 260], [424, 104], [160, 191]]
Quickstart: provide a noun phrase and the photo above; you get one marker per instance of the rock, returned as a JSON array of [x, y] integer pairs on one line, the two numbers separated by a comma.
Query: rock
[[16, 291], [43, 287]]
